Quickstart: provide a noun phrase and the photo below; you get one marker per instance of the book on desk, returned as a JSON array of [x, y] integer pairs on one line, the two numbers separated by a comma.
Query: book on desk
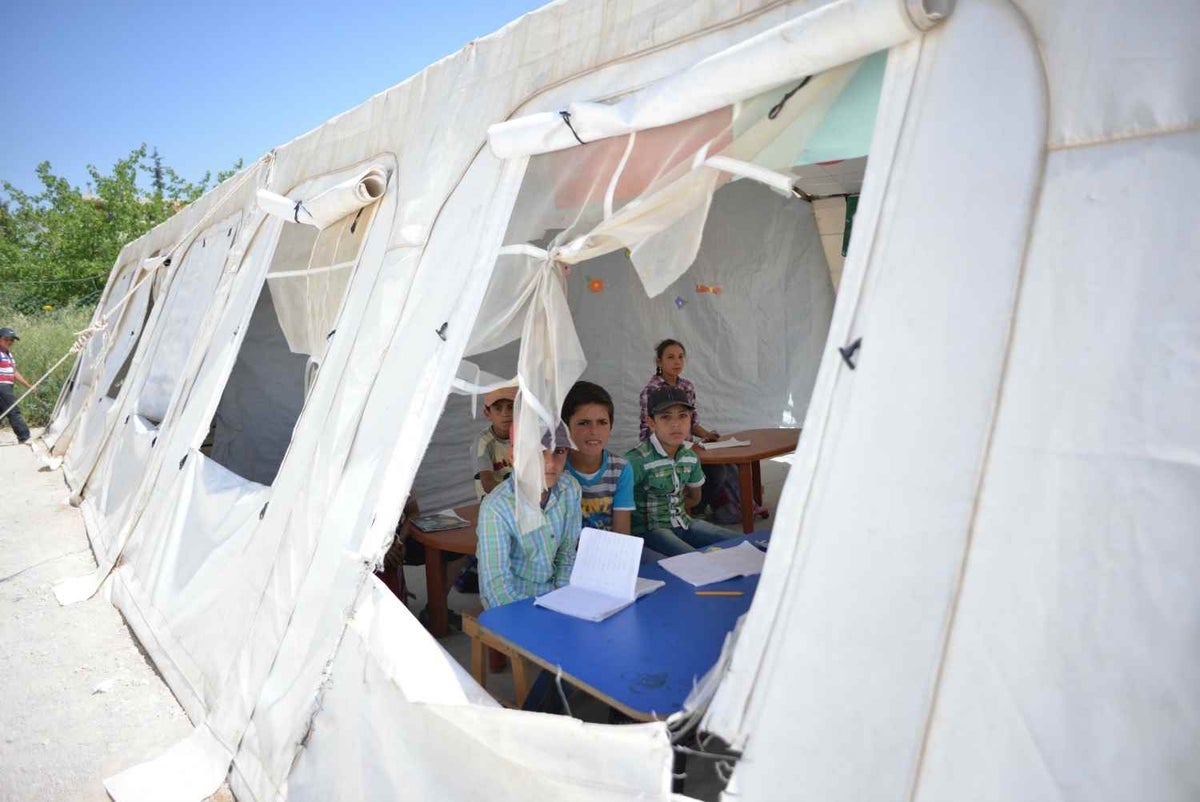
[[604, 580], [439, 521]]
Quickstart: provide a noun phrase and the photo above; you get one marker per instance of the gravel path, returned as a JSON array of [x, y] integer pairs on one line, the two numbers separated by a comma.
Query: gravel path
[[78, 702]]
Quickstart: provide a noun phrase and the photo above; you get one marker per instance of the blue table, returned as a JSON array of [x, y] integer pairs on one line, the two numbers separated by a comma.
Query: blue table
[[642, 661]]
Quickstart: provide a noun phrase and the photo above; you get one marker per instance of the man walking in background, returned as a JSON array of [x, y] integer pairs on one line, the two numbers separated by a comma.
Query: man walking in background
[[8, 375]]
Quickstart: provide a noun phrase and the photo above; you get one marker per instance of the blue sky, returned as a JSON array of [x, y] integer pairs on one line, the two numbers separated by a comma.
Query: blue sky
[[205, 82]]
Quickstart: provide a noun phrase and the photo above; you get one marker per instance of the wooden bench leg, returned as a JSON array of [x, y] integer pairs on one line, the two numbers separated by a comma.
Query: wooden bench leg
[[496, 660], [484, 650], [520, 679], [481, 655], [479, 663]]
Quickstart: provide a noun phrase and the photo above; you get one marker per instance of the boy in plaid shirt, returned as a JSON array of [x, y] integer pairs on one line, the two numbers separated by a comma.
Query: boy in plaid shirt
[[516, 565], [667, 478]]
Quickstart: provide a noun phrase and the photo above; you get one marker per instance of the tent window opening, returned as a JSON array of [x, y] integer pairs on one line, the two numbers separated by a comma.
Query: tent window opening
[[617, 244], [732, 222], [114, 388], [283, 344]]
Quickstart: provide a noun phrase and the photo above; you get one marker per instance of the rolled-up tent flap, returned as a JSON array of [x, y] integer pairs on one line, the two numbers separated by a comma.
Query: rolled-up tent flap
[[835, 34], [331, 205]]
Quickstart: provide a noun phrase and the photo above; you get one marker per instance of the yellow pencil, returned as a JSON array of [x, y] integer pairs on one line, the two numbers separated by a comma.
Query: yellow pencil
[[719, 593]]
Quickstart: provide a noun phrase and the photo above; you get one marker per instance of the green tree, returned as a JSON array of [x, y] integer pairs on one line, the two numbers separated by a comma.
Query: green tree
[[58, 245]]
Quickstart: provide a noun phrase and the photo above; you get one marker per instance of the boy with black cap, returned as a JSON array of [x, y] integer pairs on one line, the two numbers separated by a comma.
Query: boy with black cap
[[516, 565], [9, 374], [667, 478]]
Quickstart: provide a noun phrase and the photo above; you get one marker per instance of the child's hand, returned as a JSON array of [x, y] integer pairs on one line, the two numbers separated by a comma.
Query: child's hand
[[712, 436]]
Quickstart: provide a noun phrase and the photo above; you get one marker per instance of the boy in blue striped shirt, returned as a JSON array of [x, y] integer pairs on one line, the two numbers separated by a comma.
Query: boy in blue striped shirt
[[605, 479]]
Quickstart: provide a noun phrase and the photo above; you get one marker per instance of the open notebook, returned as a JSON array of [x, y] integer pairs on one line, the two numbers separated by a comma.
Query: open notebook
[[604, 580]]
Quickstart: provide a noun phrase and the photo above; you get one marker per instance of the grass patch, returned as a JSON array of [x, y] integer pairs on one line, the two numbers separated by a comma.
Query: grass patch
[[45, 337]]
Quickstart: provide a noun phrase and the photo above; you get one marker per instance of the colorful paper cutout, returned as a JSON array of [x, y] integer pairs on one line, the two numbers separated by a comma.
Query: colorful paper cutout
[[679, 302], [596, 284]]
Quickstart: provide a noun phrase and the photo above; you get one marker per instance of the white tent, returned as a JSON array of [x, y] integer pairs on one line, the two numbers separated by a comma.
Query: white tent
[[980, 580]]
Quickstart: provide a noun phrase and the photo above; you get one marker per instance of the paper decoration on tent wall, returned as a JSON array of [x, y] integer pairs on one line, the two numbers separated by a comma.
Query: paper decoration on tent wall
[[679, 302], [715, 289], [595, 284]]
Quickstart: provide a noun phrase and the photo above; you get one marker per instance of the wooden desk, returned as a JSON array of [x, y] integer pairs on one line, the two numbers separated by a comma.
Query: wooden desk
[[644, 660], [437, 545], [764, 443]]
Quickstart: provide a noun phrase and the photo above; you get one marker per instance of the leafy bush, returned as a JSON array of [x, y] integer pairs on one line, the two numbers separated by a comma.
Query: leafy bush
[[58, 245], [45, 336]]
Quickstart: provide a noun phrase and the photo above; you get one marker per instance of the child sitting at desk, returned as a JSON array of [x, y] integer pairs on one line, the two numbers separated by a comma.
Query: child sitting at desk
[[493, 464], [515, 565], [605, 479], [667, 478], [492, 460], [392, 572]]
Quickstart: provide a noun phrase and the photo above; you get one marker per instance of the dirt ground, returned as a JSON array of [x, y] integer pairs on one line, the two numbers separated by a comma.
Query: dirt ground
[[78, 701]]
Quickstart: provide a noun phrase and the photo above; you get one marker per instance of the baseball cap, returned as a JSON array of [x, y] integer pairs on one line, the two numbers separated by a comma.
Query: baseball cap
[[561, 438], [501, 392], [7, 332], [662, 398]]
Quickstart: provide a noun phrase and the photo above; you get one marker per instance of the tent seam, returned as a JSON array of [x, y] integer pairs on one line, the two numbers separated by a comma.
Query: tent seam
[[1182, 128]]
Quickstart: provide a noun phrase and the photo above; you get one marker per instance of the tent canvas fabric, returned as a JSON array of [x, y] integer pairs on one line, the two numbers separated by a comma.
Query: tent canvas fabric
[[980, 580]]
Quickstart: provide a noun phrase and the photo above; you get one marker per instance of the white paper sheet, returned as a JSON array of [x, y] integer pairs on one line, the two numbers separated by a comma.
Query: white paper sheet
[[706, 567]]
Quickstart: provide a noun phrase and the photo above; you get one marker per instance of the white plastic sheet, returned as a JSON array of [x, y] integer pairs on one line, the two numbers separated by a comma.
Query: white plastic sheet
[[429, 713], [195, 276]]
